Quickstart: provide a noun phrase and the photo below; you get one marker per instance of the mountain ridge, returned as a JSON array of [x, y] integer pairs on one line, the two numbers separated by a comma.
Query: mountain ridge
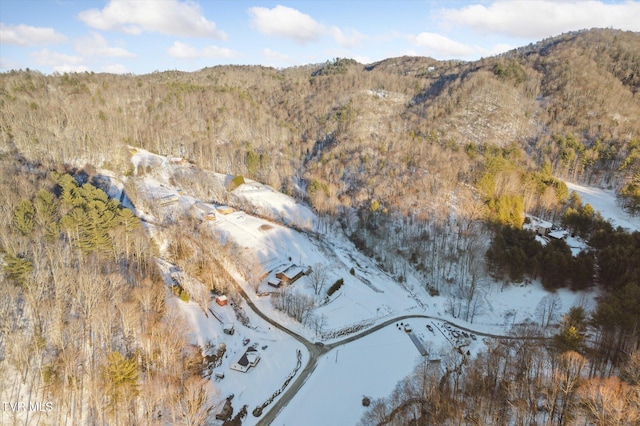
[[269, 124]]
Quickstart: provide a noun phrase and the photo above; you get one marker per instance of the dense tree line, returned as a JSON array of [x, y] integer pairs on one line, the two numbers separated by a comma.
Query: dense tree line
[[515, 254], [618, 313], [612, 261]]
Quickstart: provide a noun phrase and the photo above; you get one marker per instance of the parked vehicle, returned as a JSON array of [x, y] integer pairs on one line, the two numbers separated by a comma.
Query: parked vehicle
[[430, 328], [407, 328], [246, 341], [319, 344]]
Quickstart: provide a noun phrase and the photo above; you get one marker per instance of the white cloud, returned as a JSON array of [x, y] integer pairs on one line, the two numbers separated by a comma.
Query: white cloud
[[96, 45], [499, 48], [272, 55], [442, 47], [59, 62], [70, 68], [543, 18], [170, 17], [363, 59], [285, 22], [115, 69], [184, 51], [347, 38], [25, 35], [47, 57], [289, 23]]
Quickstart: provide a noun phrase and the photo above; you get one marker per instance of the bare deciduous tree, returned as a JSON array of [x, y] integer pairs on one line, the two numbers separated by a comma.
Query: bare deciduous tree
[[193, 405], [548, 309], [609, 401], [318, 278]]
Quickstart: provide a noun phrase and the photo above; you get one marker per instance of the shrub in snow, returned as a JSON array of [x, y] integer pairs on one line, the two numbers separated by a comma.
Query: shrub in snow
[[335, 287]]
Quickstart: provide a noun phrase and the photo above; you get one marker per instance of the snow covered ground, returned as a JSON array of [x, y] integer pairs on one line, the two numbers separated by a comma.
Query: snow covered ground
[[604, 201], [277, 351], [371, 365]]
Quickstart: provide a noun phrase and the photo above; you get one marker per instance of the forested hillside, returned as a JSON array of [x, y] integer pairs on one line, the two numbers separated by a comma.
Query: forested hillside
[[84, 322], [570, 100], [404, 135], [420, 162]]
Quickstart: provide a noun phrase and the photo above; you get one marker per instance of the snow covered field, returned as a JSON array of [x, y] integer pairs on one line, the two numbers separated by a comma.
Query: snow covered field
[[371, 365], [604, 200]]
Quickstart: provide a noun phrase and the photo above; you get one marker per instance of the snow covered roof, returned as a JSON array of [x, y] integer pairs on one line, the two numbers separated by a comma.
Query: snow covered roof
[[273, 282], [558, 234], [203, 207], [249, 359], [292, 271], [168, 199]]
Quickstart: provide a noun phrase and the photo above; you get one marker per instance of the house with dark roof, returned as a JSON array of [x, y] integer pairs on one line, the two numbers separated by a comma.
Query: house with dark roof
[[249, 359]]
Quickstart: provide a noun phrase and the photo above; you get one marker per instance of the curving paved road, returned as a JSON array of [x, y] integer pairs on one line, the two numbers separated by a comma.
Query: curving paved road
[[316, 351]]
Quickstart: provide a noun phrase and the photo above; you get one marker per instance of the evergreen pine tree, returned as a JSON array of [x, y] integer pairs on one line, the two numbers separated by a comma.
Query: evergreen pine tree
[[23, 217], [120, 376], [17, 268], [45, 208]]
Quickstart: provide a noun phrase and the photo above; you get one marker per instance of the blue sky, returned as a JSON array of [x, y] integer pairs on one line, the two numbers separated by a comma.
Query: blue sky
[[142, 36]]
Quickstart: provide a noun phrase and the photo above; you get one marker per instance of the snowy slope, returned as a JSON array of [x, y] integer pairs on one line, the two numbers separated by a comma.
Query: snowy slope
[[276, 231], [604, 201], [276, 204]]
